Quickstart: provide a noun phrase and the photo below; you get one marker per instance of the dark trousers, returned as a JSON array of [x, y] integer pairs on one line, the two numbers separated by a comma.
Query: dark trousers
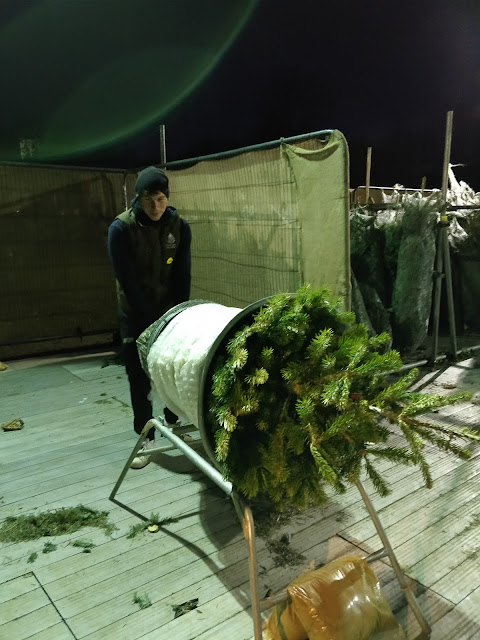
[[139, 389]]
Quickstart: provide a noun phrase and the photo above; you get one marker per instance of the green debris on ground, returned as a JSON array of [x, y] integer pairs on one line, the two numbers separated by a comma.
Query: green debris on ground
[[281, 552], [151, 522], [53, 523], [142, 601], [48, 547], [185, 607], [32, 557], [86, 545], [267, 523], [267, 520]]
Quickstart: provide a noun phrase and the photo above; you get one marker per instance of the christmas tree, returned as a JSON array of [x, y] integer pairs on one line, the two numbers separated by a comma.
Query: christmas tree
[[299, 401]]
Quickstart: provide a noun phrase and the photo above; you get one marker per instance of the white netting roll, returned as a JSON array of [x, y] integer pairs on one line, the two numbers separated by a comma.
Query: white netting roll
[[175, 360]]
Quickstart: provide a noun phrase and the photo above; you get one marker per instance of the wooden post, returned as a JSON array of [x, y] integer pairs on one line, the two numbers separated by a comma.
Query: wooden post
[[368, 172], [163, 148], [444, 269], [424, 185]]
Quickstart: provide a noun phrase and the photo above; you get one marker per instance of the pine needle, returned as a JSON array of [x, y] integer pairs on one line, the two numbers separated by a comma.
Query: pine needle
[[143, 601], [53, 523]]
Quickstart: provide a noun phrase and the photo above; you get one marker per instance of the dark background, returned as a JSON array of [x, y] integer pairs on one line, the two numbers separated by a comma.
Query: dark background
[[384, 73]]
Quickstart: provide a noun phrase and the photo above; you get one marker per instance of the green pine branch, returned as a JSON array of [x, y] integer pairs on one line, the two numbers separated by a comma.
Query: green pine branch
[[299, 402]]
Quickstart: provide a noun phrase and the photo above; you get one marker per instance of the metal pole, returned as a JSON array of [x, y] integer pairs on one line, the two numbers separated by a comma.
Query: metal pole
[[192, 455], [368, 173], [62, 167], [412, 601], [163, 148], [324, 133], [136, 448]]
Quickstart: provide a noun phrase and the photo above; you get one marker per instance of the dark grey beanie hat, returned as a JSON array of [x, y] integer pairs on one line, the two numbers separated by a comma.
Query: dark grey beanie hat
[[151, 179]]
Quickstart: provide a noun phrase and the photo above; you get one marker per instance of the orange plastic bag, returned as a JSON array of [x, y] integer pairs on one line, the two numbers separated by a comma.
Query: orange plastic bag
[[341, 601]]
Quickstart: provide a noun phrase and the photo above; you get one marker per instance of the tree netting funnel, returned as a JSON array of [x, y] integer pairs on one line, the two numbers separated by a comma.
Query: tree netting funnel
[[177, 351]]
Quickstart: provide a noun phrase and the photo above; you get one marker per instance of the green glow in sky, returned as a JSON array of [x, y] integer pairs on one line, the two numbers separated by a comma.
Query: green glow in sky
[[84, 74]]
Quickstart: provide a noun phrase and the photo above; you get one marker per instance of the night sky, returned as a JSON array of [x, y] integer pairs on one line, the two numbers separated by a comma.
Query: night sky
[[97, 77]]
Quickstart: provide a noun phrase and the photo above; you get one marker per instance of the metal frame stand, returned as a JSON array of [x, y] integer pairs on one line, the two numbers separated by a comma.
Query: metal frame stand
[[245, 516]]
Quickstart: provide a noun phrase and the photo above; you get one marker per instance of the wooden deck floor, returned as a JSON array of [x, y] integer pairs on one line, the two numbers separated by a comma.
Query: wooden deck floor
[[76, 439]]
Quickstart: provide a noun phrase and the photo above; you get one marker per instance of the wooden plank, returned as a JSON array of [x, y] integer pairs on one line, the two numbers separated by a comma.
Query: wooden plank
[[58, 631], [158, 574], [84, 581], [84, 492], [167, 590], [238, 627], [433, 607], [22, 605], [28, 487], [30, 624], [205, 618], [17, 587], [68, 452], [463, 579], [468, 414], [140, 484], [403, 519], [432, 552], [62, 462], [187, 493], [65, 419], [402, 488], [16, 383], [75, 393], [167, 587], [60, 358], [462, 622], [95, 369]]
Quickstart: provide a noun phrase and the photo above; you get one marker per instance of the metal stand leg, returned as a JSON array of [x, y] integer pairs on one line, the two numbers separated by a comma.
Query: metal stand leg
[[410, 597], [246, 518], [136, 448], [152, 423]]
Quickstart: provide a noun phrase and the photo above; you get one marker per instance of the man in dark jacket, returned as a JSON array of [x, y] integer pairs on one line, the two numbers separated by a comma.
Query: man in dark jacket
[[149, 247]]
